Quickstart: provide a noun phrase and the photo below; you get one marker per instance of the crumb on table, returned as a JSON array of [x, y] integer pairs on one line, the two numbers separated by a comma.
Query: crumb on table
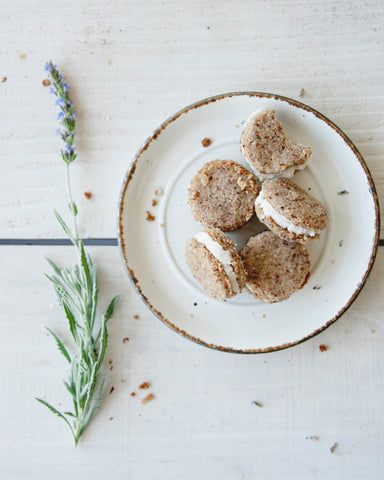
[[111, 390], [149, 217], [333, 448], [148, 398], [154, 203], [133, 394], [125, 339], [323, 348], [87, 195], [4, 79], [206, 142], [144, 386], [46, 82], [136, 317], [159, 192]]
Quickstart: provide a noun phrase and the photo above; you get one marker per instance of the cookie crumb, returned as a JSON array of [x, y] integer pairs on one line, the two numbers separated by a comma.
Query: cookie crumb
[[125, 339], [111, 390], [204, 179], [144, 386], [242, 183], [149, 217], [333, 448], [148, 398], [22, 56], [46, 82], [373, 330], [111, 368], [136, 317], [323, 348], [4, 79], [154, 203], [133, 394], [159, 192], [206, 142], [110, 362], [87, 195]]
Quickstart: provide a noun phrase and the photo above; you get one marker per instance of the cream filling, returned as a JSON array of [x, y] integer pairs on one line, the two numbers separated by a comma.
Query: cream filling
[[221, 255], [287, 173], [269, 211]]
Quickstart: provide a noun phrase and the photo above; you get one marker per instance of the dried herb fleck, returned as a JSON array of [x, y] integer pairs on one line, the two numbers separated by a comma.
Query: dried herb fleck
[[333, 448], [343, 192]]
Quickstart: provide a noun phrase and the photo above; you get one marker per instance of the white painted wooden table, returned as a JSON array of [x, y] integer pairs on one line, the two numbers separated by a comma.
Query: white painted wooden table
[[130, 65]]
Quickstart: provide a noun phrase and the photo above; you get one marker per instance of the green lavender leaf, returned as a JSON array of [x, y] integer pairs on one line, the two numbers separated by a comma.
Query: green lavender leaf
[[60, 345], [64, 226], [71, 320], [55, 411], [56, 269], [111, 308]]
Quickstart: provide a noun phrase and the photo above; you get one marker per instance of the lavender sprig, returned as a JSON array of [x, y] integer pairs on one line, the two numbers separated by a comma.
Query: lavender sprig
[[78, 294]]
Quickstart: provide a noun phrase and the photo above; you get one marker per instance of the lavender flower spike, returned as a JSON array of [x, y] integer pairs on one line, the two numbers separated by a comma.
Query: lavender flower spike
[[66, 115]]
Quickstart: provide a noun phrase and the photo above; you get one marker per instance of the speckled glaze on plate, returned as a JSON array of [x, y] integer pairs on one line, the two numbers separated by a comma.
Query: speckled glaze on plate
[[153, 248]]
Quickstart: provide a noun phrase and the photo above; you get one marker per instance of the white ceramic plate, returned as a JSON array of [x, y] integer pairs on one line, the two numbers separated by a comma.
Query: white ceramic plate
[[153, 251]]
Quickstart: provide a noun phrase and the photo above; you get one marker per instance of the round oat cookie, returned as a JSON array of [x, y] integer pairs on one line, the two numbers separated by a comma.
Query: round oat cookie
[[267, 149], [290, 211], [222, 195], [215, 263], [275, 268]]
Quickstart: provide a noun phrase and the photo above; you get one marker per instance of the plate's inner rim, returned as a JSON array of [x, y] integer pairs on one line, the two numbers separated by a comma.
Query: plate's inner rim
[[132, 168]]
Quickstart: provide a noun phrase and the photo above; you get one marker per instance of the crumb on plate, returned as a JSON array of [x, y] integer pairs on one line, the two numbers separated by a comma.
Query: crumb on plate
[[148, 398]]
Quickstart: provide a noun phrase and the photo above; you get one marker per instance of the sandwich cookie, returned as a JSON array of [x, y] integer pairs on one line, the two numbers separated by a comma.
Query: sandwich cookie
[[215, 263], [289, 211], [275, 268], [267, 149], [222, 195]]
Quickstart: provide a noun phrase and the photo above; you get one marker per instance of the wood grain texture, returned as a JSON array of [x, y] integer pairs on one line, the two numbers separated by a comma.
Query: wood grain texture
[[133, 64], [202, 422]]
